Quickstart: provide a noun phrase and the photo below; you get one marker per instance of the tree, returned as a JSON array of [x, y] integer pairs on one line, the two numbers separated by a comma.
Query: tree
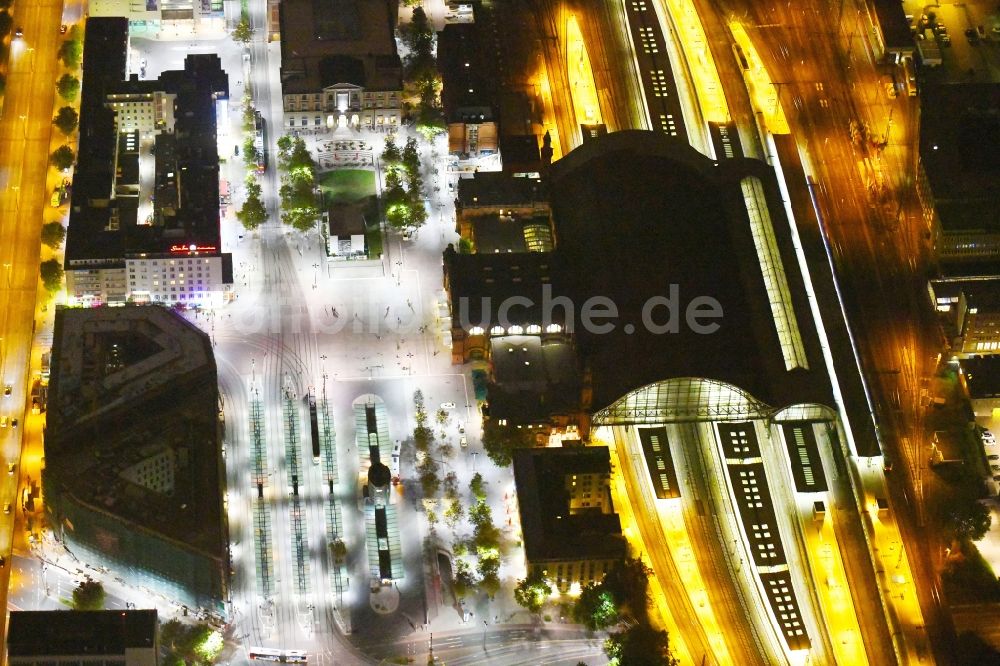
[[595, 609], [967, 518], [418, 34], [465, 580], [6, 23], [3, 83], [62, 158], [640, 645], [70, 53], [429, 480], [531, 592], [52, 274], [453, 514], [68, 87], [190, 644], [253, 213], [430, 121], [303, 219], [478, 486], [501, 441], [53, 234], [628, 583], [442, 416], [88, 595], [489, 571], [411, 159], [391, 157], [243, 33], [66, 120], [451, 486], [422, 438], [485, 534]]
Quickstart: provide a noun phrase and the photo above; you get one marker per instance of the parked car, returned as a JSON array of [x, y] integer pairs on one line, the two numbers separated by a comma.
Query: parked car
[[993, 457], [62, 29], [3, 421], [447, 405]]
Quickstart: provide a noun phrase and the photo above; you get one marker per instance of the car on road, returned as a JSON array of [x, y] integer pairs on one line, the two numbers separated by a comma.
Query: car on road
[[3, 421], [13, 423], [62, 29], [7, 388], [18, 33], [993, 457], [464, 442], [10, 469], [6, 507], [447, 405]]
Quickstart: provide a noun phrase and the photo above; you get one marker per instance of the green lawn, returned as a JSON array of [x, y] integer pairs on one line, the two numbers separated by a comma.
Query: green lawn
[[347, 186]]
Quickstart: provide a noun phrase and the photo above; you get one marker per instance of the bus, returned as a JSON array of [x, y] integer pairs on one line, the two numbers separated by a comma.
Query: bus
[[314, 425], [277, 656]]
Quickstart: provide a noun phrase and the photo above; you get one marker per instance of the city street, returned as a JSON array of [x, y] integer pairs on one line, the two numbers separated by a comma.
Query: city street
[[25, 177]]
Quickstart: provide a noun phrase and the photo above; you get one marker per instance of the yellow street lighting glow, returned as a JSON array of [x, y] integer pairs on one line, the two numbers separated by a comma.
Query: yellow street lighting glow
[[581, 77], [708, 86], [602, 437], [762, 90]]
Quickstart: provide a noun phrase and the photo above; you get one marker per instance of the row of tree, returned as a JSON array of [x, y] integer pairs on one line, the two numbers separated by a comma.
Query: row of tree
[[421, 78], [298, 194], [403, 197]]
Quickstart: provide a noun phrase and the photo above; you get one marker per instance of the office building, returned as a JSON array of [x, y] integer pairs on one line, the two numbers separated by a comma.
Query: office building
[[134, 478], [71, 638], [144, 216]]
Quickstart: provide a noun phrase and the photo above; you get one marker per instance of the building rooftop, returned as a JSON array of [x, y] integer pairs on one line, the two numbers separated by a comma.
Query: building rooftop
[[103, 224], [895, 28], [346, 221], [982, 376], [960, 152], [551, 531], [83, 633], [493, 233], [326, 42], [534, 378], [640, 216], [468, 74], [133, 390], [498, 189]]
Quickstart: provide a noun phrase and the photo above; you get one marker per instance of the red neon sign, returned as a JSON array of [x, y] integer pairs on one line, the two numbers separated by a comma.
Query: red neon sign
[[192, 248]]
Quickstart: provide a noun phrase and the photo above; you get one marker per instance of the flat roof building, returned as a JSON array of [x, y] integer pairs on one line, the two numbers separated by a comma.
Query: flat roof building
[[570, 527], [959, 186], [468, 91], [146, 187], [37, 638], [134, 474]]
